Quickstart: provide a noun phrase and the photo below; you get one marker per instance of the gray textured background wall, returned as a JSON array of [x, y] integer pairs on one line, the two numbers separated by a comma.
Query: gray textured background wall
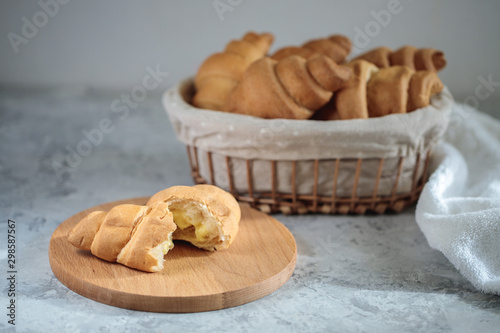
[[108, 44]]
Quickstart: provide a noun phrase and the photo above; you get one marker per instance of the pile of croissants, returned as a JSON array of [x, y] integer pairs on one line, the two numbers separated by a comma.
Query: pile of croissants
[[314, 81]]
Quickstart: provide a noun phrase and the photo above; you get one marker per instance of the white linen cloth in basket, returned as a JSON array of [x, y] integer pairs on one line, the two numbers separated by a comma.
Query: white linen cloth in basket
[[459, 208]]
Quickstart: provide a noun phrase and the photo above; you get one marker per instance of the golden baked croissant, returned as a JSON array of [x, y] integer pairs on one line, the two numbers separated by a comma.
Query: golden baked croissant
[[351, 102], [133, 235], [417, 59], [139, 236], [387, 91], [374, 92], [220, 72], [291, 88], [423, 85], [336, 47], [400, 89], [206, 216]]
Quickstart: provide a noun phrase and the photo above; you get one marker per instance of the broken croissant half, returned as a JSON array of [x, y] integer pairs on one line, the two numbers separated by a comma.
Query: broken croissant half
[[140, 236], [133, 235], [206, 216]]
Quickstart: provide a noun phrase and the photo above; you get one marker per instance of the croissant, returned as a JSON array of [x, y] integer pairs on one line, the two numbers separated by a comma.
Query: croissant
[[220, 72], [206, 216], [374, 92], [423, 85], [139, 236], [399, 89], [292, 88], [417, 59], [387, 91], [133, 235], [351, 101], [336, 47]]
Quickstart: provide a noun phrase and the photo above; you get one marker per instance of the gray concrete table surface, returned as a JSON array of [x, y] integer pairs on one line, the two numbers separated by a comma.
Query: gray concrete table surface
[[353, 273]]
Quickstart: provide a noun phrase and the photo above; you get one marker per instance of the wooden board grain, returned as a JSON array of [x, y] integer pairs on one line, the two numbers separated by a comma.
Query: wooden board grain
[[260, 260]]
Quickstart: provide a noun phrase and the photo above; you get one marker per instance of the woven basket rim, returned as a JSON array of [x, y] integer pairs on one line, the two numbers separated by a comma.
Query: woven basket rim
[[232, 134]]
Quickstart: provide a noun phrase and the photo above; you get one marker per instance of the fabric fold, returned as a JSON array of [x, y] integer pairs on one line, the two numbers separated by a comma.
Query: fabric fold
[[459, 208]]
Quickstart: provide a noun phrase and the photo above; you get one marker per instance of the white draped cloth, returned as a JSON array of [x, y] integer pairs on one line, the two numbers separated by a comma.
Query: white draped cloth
[[459, 208]]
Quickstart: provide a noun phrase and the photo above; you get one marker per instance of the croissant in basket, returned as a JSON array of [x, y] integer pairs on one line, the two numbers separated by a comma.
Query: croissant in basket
[[292, 88], [417, 59], [220, 72], [374, 92], [336, 47]]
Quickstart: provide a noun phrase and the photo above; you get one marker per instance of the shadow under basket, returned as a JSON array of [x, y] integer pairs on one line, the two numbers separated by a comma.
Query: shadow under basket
[[294, 201]]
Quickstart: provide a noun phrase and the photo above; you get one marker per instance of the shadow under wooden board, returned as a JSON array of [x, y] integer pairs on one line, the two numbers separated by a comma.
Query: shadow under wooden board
[[259, 261]]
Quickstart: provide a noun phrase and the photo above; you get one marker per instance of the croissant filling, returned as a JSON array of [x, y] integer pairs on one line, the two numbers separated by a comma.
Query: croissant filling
[[159, 251], [195, 224]]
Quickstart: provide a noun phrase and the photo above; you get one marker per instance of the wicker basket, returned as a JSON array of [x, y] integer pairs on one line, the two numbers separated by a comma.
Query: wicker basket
[[331, 185]]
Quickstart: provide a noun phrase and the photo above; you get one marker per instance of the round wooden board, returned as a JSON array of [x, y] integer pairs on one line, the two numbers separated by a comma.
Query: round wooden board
[[259, 261]]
